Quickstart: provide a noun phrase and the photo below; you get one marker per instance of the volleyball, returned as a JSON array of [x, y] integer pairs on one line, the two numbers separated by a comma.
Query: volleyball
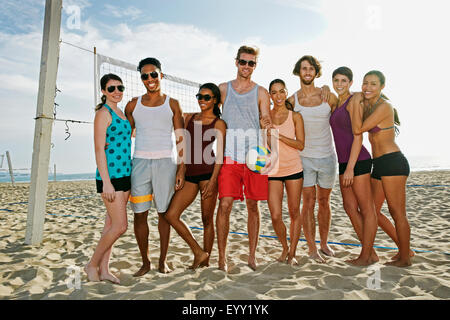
[[257, 158]]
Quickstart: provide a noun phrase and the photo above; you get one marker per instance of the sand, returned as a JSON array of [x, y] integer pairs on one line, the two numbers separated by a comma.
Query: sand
[[53, 269]]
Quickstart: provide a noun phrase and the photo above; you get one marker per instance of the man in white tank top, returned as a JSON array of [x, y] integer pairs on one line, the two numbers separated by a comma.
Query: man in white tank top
[[155, 175], [318, 157]]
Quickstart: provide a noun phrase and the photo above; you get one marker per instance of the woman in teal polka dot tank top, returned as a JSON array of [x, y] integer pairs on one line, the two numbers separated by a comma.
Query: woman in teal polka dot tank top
[[111, 129]]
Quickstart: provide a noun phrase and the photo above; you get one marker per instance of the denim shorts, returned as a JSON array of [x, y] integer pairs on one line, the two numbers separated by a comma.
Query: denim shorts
[[319, 171]]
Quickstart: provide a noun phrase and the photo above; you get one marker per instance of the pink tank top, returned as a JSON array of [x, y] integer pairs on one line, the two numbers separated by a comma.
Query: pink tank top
[[289, 161]]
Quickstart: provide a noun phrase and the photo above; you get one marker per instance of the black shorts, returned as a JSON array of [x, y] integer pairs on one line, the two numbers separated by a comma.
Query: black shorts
[[197, 179], [119, 184], [294, 176], [361, 167], [391, 164]]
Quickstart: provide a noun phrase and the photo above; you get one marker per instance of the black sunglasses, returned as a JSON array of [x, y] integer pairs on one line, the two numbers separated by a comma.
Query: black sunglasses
[[205, 97], [111, 89], [145, 76], [250, 63]]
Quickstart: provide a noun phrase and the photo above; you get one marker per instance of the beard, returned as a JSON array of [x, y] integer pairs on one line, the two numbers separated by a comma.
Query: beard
[[307, 83]]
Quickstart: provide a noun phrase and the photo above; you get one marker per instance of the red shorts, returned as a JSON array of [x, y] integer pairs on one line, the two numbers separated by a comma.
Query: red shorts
[[233, 175]]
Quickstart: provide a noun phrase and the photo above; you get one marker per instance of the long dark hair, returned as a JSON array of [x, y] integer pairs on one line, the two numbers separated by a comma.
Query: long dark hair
[[216, 93], [103, 81], [289, 106], [382, 79]]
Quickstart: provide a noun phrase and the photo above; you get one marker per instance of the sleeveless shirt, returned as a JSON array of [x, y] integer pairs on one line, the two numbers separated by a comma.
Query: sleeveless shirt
[[289, 161], [199, 159], [118, 152], [318, 141], [241, 114], [341, 125], [154, 130]]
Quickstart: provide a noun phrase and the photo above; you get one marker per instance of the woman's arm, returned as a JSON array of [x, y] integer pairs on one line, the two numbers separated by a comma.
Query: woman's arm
[[220, 127], [101, 122], [355, 150]]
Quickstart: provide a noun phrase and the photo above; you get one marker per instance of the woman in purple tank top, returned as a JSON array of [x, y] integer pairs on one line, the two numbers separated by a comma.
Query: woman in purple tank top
[[202, 171], [355, 165]]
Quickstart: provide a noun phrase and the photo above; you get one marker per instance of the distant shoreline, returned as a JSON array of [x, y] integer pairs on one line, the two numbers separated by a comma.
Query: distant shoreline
[[91, 176]]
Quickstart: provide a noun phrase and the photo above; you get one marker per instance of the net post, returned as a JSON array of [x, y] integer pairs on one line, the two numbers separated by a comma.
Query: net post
[[43, 125], [11, 171]]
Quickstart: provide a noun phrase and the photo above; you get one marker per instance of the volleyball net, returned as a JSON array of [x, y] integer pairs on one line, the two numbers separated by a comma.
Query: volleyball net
[[181, 89]]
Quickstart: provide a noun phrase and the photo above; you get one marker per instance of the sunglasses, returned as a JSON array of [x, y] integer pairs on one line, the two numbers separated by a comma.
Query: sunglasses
[[250, 63], [205, 97], [145, 76], [111, 89]]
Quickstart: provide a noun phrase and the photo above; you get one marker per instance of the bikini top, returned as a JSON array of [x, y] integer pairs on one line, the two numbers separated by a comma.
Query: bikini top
[[378, 129]]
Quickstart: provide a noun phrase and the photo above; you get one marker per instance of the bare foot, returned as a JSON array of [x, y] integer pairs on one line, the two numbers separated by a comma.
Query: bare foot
[[164, 268], [92, 273], [143, 270], [360, 262], [284, 255], [326, 250], [397, 256], [252, 265], [205, 263], [223, 266], [109, 277], [399, 263], [198, 259], [317, 257], [292, 261]]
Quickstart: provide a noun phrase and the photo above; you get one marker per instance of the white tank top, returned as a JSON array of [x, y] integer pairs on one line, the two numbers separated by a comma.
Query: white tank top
[[318, 140], [154, 129]]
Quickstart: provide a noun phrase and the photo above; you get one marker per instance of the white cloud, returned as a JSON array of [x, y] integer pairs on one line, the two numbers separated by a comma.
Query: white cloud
[[117, 12]]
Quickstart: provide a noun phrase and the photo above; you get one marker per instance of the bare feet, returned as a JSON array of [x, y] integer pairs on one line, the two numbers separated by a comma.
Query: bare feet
[[317, 257], [199, 259], [360, 262], [109, 277], [284, 255], [399, 263], [143, 270], [326, 250], [92, 273], [164, 268]]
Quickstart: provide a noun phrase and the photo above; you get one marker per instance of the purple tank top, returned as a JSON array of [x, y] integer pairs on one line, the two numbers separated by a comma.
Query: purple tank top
[[343, 134]]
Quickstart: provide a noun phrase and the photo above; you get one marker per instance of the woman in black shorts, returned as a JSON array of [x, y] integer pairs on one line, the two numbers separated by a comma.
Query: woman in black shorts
[[111, 128], [390, 167], [202, 170]]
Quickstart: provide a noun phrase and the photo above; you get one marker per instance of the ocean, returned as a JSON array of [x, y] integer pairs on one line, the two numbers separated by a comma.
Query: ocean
[[421, 163]]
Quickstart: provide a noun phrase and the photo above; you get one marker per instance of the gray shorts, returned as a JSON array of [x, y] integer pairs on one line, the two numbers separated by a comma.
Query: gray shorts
[[319, 171], [152, 180]]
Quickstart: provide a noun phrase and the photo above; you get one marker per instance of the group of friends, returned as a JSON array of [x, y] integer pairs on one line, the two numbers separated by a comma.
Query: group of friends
[[298, 129]]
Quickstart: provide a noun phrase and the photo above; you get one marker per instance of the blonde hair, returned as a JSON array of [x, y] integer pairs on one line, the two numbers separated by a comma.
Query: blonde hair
[[248, 49]]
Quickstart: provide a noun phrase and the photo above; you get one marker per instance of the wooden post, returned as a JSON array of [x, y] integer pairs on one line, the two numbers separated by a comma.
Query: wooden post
[[54, 172], [43, 126], [11, 171], [96, 79], [1, 165]]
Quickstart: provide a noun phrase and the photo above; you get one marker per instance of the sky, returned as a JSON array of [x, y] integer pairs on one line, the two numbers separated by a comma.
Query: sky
[[198, 40]]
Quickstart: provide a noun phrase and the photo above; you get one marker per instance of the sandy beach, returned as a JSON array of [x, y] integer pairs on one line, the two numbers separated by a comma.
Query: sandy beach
[[75, 217]]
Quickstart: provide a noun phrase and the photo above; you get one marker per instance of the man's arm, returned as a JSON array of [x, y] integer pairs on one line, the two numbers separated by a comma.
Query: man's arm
[[178, 126], [264, 108]]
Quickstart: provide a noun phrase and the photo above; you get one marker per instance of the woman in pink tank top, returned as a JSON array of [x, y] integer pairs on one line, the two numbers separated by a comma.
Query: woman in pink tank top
[[288, 139]]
